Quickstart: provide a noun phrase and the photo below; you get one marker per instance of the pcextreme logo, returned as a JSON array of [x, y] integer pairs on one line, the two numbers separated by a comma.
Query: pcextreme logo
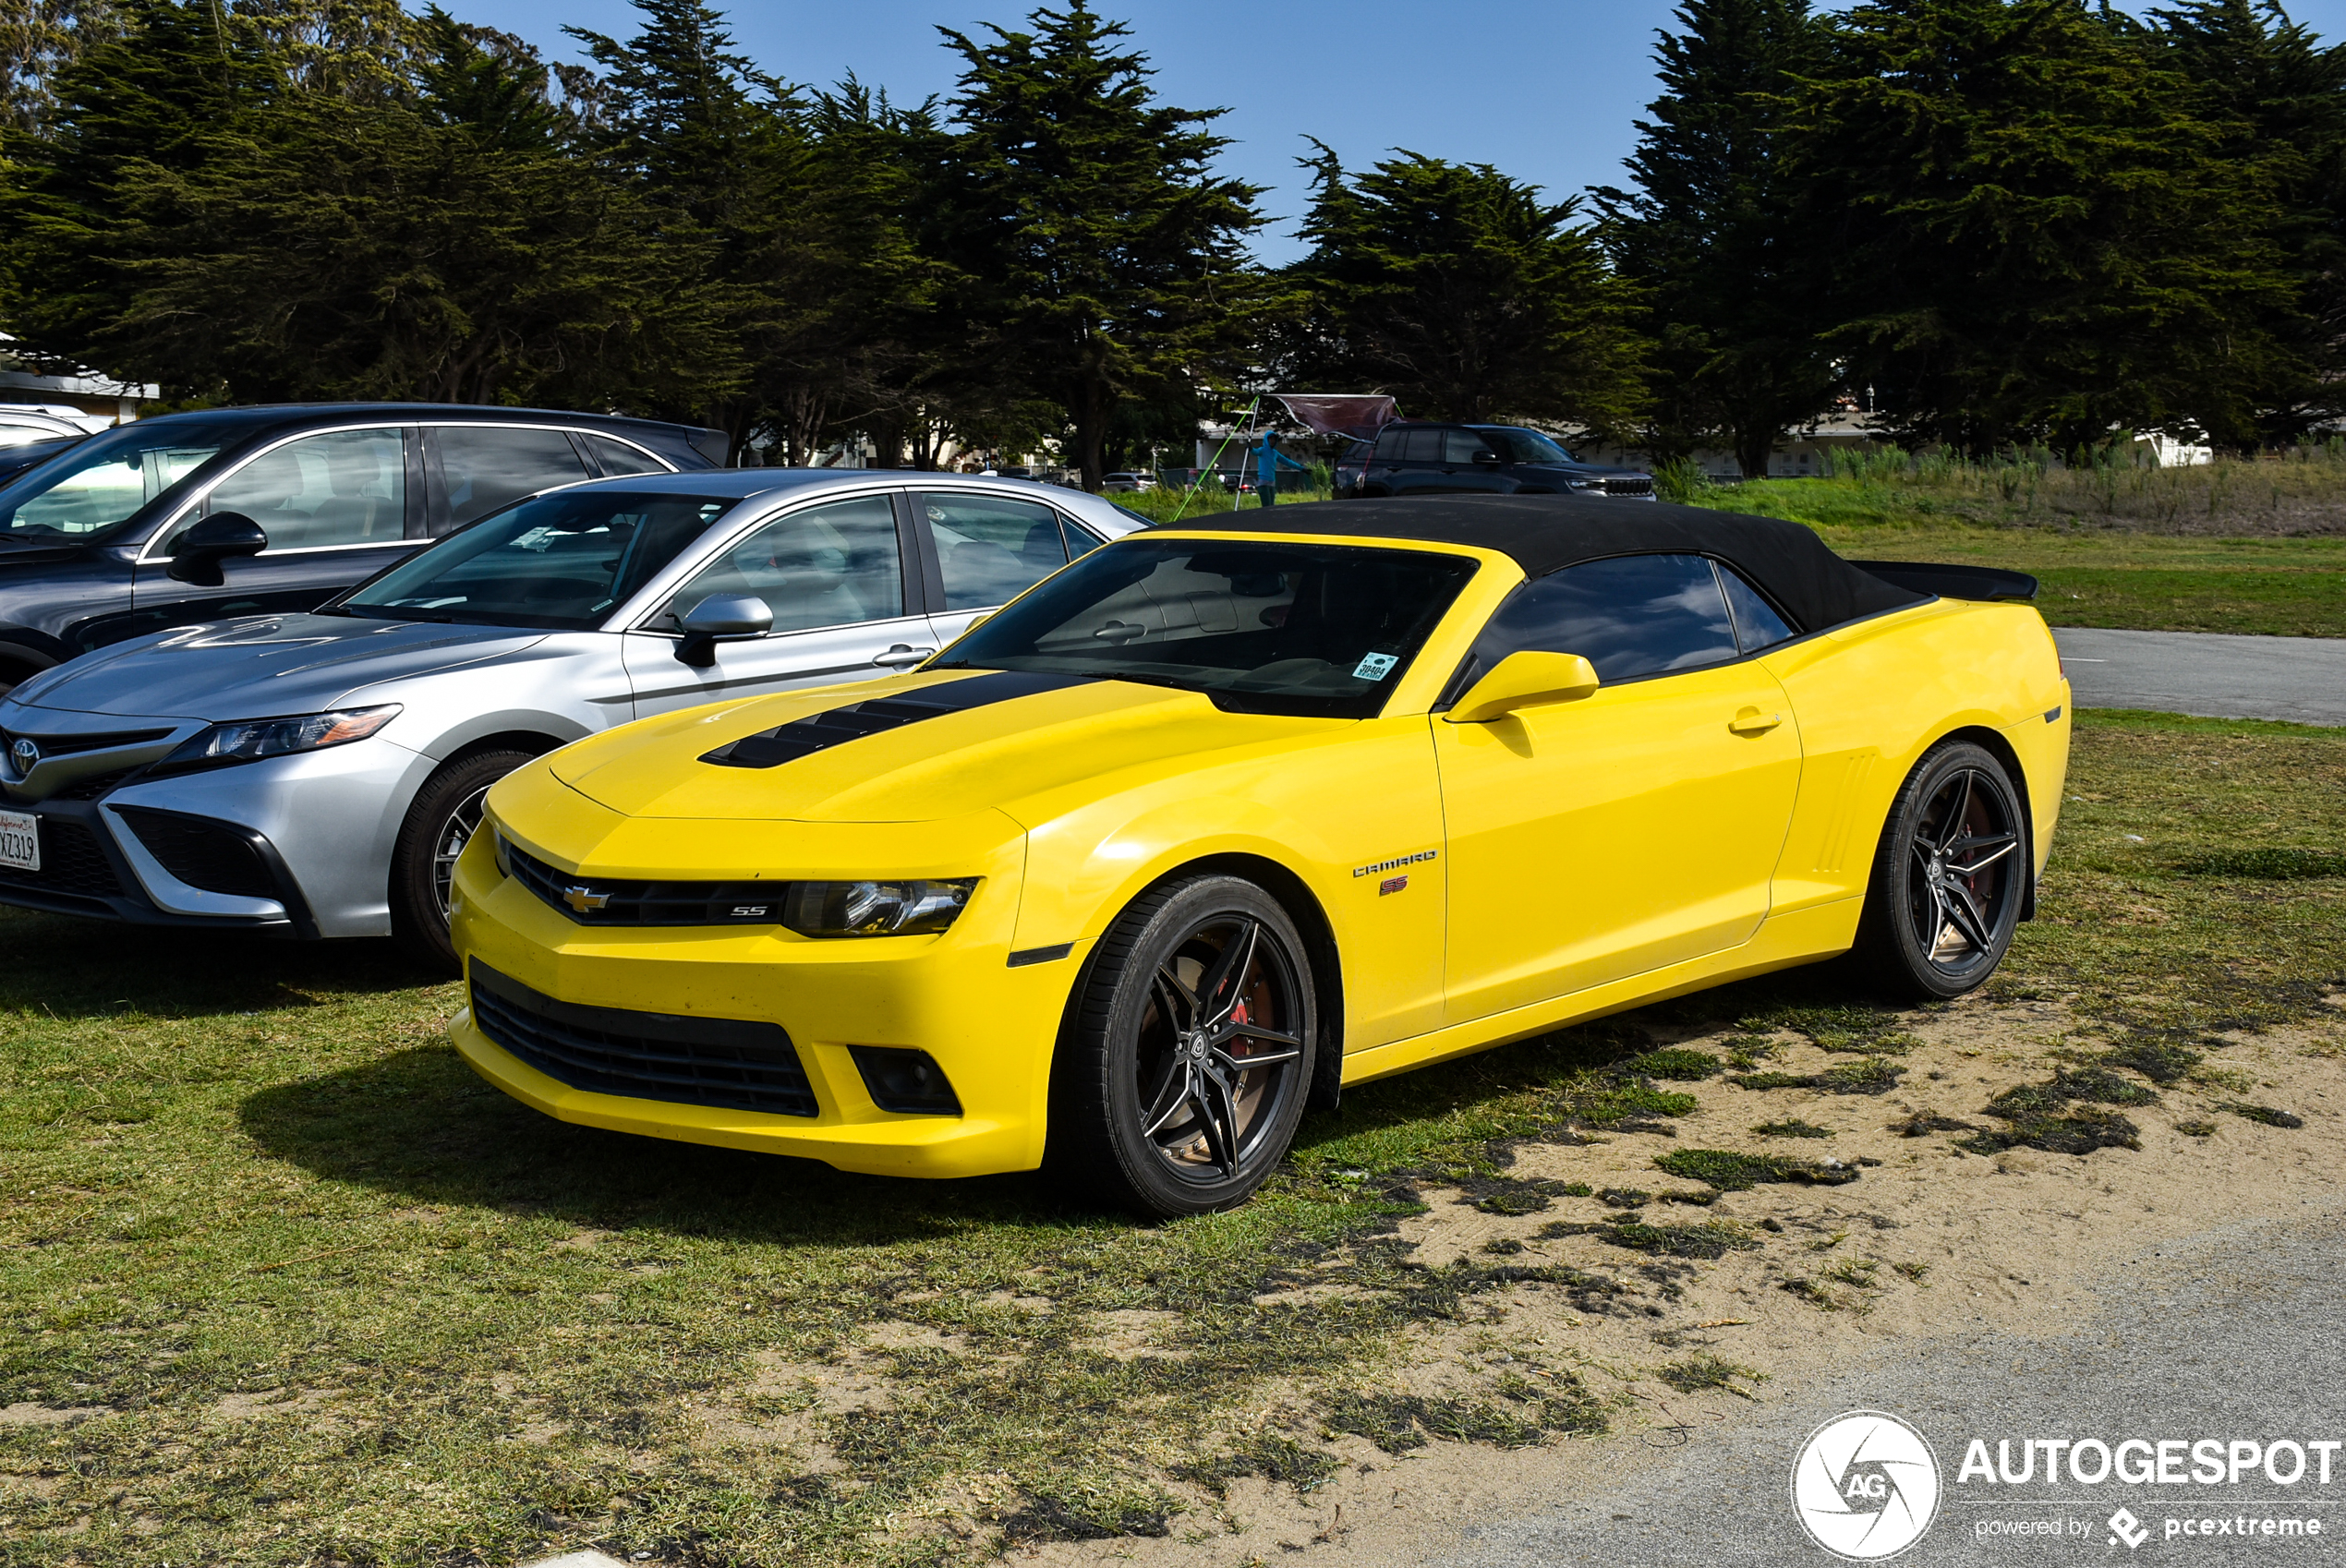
[[1866, 1486]]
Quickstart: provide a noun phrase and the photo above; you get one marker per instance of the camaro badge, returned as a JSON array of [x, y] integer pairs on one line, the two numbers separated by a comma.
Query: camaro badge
[[583, 902], [1383, 866]]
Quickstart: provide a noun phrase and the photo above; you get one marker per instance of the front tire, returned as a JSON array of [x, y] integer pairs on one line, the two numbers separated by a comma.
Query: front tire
[[1948, 878], [423, 864], [1188, 1052]]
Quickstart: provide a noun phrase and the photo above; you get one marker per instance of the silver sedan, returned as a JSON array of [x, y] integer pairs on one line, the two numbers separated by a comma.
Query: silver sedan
[[317, 774]]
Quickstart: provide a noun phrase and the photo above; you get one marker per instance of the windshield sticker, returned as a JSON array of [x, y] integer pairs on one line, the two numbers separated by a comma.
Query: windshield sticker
[[1374, 667]]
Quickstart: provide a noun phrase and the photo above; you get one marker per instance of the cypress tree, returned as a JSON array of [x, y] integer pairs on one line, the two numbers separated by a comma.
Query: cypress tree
[[1712, 235]]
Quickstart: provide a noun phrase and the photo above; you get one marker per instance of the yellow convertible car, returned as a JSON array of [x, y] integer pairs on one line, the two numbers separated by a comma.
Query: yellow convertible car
[[1221, 818]]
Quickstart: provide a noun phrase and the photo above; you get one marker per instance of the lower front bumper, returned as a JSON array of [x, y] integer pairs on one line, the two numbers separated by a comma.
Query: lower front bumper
[[95, 867], [908, 1146]]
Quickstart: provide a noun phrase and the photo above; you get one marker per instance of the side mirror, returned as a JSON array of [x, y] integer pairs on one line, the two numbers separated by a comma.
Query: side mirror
[[721, 618], [196, 555], [1485, 454], [1525, 680]]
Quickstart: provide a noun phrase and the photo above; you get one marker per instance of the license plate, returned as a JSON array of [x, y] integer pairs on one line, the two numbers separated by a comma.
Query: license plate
[[19, 840]]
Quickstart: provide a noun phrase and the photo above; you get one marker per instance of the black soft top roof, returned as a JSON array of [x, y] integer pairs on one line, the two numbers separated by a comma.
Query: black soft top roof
[[1544, 533]]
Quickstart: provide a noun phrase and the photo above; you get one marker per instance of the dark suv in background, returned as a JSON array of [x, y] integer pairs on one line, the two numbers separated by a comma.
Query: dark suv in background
[[1413, 459], [192, 517]]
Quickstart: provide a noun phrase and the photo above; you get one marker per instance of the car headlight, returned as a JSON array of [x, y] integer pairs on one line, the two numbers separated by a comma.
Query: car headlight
[[875, 908], [251, 740]]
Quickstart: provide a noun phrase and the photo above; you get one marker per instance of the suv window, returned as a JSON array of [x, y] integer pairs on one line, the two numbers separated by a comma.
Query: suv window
[[992, 550], [1630, 616], [827, 566], [336, 487], [1459, 446], [106, 478], [617, 457], [487, 467], [1424, 446], [1390, 445]]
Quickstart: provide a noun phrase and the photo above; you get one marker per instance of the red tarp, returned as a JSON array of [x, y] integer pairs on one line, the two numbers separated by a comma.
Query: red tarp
[[1355, 414]]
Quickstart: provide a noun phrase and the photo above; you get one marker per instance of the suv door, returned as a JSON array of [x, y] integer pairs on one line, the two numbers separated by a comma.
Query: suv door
[[1631, 829], [474, 469], [987, 549], [337, 506], [833, 575], [1416, 467]]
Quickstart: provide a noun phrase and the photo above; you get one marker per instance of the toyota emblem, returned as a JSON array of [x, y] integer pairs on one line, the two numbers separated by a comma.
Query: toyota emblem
[[25, 755]]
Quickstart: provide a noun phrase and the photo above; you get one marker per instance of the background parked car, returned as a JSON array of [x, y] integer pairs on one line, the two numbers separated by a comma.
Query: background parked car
[[1413, 459], [318, 774], [194, 517], [1128, 483]]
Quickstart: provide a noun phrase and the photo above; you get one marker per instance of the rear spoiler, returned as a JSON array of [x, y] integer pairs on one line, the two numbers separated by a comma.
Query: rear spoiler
[[1952, 582]]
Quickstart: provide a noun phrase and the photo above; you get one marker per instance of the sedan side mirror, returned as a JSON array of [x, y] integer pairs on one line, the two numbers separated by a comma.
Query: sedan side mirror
[[1525, 680], [721, 618], [196, 555]]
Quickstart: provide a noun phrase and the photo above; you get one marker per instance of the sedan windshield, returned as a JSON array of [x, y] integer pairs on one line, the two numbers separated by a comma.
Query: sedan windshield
[[1319, 631], [563, 562], [1525, 446], [82, 493]]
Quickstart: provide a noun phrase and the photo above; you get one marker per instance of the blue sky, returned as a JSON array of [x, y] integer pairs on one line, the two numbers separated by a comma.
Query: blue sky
[[1546, 92]]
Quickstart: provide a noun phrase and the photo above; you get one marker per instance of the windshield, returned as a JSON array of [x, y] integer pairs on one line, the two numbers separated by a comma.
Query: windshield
[[85, 491], [1320, 631], [563, 562], [1525, 446]]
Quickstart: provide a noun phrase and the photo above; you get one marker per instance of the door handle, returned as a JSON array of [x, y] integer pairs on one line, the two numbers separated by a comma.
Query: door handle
[[1751, 721], [904, 656]]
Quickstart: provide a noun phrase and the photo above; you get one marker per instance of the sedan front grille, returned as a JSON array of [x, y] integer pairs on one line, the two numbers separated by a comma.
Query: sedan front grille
[[603, 901], [71, 862], [727, 1063]]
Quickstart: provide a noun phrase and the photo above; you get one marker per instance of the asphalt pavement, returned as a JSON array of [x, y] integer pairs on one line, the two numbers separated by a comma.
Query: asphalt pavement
[[2232, 1336], [2298, 679]]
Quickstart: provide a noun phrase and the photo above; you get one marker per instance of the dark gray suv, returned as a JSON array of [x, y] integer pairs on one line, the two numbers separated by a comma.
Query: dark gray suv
[[194, 517], [1413, 459]]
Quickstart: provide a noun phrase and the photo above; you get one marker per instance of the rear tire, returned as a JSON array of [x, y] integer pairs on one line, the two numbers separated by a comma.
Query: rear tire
[[1188, 1052], [1949, 876], [440, 823]]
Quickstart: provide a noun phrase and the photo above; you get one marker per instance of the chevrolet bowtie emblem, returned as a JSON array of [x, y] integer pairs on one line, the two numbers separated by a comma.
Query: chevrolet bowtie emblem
[[584, 902]]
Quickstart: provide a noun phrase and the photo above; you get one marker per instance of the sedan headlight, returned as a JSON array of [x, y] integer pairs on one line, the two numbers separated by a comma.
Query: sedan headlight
[[251, 740], [875, 908]]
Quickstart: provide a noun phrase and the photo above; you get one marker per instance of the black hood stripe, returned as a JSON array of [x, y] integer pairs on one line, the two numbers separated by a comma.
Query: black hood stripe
[[821, 731]]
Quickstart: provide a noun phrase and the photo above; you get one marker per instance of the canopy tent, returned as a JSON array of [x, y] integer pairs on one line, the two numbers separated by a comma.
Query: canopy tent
[[1358, 415]]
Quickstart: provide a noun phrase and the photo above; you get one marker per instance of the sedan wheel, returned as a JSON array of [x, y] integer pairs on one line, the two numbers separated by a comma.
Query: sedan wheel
[[1949, 876], [1191, 1054], [442, 820]]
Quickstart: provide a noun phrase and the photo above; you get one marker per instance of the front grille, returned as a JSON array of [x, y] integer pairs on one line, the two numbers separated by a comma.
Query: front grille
[[1640, 486], [215, 856], [729, 1063], [68, 745], [89, 789], [71, 862], [602, 900]]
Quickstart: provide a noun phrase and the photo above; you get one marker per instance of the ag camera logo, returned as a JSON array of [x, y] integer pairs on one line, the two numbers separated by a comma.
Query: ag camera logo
[[1866, 1486]]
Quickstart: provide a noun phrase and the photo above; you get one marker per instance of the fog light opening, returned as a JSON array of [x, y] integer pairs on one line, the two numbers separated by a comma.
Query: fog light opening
[[905, 1081]]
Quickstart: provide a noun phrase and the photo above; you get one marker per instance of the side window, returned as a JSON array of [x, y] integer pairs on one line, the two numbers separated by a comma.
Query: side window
[[1757, 624], [991, 550], [485, 467], [1424, 446], [826, 566], [618, 457], [1630, 616], [342, 488], [1078, 541], [1390, 445], [1459, 446]]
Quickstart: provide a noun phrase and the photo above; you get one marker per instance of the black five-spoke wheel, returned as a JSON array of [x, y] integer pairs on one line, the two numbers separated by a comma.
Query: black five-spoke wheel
[[1951, 875], [1191, 1049]]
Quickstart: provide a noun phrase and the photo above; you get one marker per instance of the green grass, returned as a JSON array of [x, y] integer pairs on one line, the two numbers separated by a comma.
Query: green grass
[[340, 1299], [2094, 569]]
